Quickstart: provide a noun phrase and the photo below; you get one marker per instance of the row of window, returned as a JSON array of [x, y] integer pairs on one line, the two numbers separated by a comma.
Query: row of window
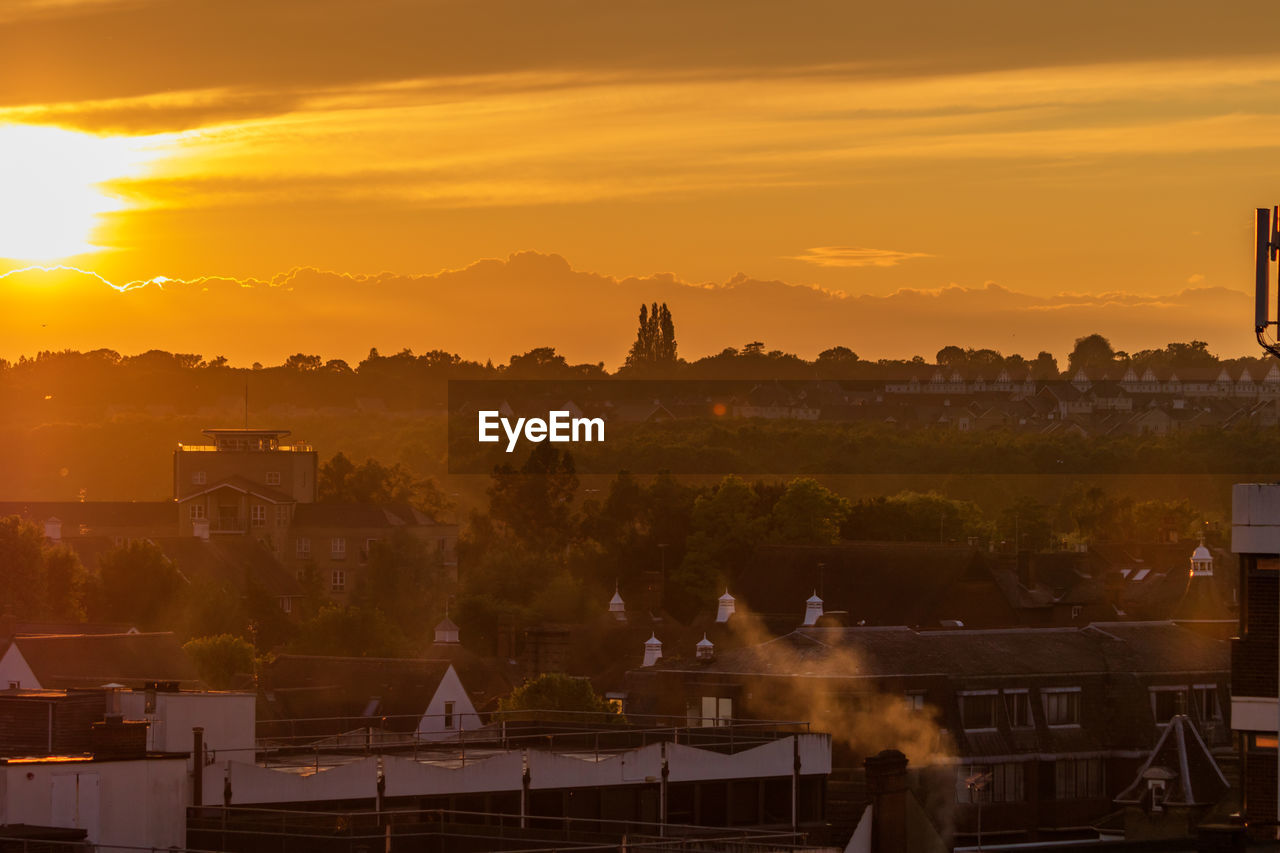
[[1073, 779], [200, 478], [980, 709], [338, 547], [257, 514]]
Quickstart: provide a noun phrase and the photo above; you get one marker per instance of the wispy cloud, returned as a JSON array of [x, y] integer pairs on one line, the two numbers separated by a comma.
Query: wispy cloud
[[856, 256]]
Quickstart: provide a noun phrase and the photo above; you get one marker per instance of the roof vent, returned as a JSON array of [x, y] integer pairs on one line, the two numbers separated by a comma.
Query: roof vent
[[812, 610], [726, 608], [705, 649], [617, 607], [652, 650]]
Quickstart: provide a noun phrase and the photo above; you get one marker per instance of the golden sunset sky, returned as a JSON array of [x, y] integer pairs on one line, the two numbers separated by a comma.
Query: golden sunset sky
[[487, 176]]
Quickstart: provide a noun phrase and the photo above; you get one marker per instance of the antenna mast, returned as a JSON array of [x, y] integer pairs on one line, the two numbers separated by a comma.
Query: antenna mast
[[1267, 249]]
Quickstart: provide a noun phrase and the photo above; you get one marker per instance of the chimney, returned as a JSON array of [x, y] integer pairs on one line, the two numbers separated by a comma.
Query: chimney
[[887, 788], [652, 650], [705, 649], [53, 529], [1026, 570], [726, 608], [200, 528], [812, 610]]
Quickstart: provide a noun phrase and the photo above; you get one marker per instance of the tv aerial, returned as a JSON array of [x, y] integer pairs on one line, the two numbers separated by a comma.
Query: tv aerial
[[1267, 249]]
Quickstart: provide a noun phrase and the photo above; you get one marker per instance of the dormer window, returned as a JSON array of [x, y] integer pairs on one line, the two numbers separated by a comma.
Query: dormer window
[[1017, 704], [1061, 706], [978, 709]]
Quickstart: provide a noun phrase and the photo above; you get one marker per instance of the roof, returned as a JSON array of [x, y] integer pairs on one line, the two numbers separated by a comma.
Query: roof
[[349, 515], [243, 485], [159, 515], [1128, 647], [310, 686], [232, 562], [875, 583], [91, 660], [1184, 762]]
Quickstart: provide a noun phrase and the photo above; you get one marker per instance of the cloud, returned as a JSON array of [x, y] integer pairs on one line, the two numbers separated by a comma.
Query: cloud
[[496, 307], [852, 256]]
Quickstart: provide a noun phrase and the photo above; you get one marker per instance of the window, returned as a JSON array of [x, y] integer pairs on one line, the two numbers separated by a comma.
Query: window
[[338, 548], [1166, 702], [196, 511], [915, 701], [282, 515], [1204, 699], [338, 581], [709, 710], [15, 685], [367, 550], [1078, 778], [273, 478], [286, 604], [258, 515], [1062, 706], [978, 710], [1076, 610], [448, 715], [303, 547], [198, 478], [1018, 706], [991, 783]]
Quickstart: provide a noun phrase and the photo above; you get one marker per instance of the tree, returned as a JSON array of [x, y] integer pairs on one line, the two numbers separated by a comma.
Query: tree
[[403, 579], [535, 503], [1091, 352], [138, 583], [300, 362], [350, 632], [220, 658], [371, 482], [555, 691], [655, 344], [808, 514], [21, 565]]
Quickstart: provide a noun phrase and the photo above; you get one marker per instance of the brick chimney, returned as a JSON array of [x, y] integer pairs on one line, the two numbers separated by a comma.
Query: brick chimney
[[887, 788]]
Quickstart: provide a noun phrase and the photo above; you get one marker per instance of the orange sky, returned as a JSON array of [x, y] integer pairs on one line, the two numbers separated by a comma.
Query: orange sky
[[1004, 174]]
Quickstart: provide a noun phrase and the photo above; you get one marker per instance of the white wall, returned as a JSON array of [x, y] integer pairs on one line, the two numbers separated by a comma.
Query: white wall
[[432, 724], [127, 803], [13, 667], [227, 718]]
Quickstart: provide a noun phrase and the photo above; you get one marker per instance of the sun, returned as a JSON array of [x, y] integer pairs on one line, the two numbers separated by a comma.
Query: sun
[[51, 194]]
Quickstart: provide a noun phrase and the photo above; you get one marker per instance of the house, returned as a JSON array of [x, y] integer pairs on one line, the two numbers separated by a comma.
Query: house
[[335, 540], [93, 660], [333, 695], [1057, 718]]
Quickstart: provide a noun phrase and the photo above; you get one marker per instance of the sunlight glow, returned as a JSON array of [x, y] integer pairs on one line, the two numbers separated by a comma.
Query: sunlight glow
[[50, 187]]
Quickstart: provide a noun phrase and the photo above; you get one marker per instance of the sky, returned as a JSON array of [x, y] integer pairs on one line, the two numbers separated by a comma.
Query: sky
[[487, 176]]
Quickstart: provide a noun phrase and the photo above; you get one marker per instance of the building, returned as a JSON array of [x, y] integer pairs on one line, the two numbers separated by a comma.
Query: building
[[1255, 538], [1057, 719], [94, 660]]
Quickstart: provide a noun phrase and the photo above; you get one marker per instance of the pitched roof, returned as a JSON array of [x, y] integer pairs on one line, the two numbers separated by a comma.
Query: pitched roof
[[312, 686], [160, 515], [243, 485], [92, 660]]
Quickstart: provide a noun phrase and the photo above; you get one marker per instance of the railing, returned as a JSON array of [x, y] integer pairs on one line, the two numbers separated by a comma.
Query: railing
[[322, 742], [235, 827]]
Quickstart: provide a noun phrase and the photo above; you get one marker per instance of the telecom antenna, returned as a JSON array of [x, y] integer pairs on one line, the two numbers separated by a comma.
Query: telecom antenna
[[1266, 250]]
